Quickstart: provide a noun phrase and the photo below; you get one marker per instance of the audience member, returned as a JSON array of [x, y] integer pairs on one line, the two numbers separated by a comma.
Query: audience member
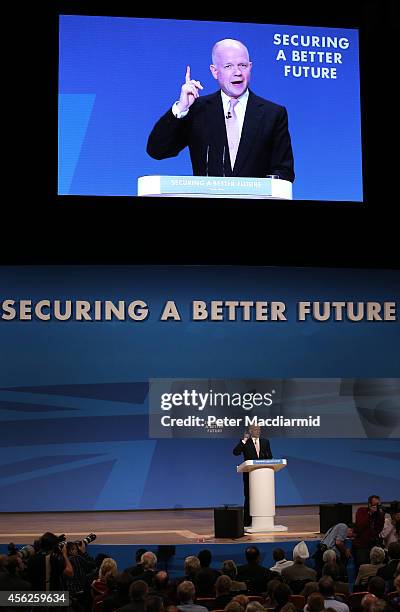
[[282, 595], [118, 592], [388, 571], [149, 563], [229, 569], [233, 606], [310, 587], [137, 594], [326, 588], [108, 570], [191, 566], [278, 555], [255, 606], [331, 569], [160, 587], [153, 604], [206, 576], [366, 570], [223, 593], [289, 607], [298, 574], [376, 586], [269, 595], [137, 569], [253, 573], [186, 597], [315, 603], [329, 556], [242, 599]]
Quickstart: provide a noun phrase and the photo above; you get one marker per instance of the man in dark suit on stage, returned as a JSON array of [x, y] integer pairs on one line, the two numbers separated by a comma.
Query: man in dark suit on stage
[[252, 447], [231, 132]]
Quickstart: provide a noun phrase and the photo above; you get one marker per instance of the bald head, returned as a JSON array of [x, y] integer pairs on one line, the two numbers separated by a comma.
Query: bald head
[[228, 43], [231, 66]]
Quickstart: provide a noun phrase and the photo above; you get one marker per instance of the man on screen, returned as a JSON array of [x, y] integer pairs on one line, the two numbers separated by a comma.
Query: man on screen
[[252, 447], [231, 132]]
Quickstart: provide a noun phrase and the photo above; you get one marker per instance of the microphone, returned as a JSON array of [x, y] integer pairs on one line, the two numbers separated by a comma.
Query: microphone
[[208, 150], [229, 115], [223, 162]]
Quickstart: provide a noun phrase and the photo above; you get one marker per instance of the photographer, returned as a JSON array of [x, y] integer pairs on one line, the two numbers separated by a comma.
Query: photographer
[[82, 565], [368, 525], [46, 569], [391, 528]]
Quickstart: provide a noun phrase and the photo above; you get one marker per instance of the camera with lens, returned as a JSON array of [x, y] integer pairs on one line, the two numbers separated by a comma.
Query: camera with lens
[[25, 552], [89, 538]]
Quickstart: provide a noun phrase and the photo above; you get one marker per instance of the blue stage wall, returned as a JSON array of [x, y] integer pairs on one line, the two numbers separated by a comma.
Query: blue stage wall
[[73, 395]]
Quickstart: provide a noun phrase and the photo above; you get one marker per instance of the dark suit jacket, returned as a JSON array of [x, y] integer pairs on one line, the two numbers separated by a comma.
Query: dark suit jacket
[[265, 145], [249, 450]]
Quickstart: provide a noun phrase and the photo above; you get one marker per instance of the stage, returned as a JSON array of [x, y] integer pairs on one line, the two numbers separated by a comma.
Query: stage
[[151, 526]]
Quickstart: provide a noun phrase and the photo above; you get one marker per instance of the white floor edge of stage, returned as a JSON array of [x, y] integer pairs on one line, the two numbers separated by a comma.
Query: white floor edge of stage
[[265, 529]]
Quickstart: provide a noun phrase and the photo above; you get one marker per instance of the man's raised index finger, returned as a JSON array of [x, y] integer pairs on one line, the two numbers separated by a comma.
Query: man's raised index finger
[[188, 74]]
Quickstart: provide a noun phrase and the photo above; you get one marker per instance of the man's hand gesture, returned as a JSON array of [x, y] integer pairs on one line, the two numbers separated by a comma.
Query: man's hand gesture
[[189, 92]]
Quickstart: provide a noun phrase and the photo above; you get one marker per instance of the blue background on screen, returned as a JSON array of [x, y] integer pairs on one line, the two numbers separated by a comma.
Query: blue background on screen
[[73, 395], [127, 72]]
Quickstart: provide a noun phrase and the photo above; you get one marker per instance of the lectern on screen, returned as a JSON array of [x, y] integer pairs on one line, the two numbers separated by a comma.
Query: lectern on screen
[[118, 76]]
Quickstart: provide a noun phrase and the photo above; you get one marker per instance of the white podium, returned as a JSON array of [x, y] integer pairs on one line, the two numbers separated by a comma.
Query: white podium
[[214, 187], [262, 493]]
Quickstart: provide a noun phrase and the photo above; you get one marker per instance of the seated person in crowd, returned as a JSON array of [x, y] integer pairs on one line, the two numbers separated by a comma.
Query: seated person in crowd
[[278, 555], [108, 571], [137, 594], [223, 593], [149, 564], [242, 599], [282, 595], [299, 572], [315, 603], [253, 573], [161, 588], [186, 597], [269, 595], [206, 576], [191, 567], [229, 568], [366, 570], [118, 593], [388, 571], [137, 569], [326, 588], [329, 556], [331, 569]]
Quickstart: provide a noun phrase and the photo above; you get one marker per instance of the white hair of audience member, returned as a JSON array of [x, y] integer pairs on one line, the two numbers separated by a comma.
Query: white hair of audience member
[[300, 552], [255, 606], [377, 555], [148, 560], [329, 556], [191, 565]]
